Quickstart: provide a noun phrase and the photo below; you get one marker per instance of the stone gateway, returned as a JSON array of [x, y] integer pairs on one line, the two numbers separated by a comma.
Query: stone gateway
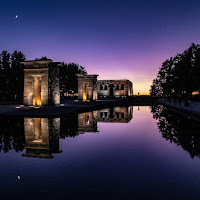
[[41, 83], [87, 87]]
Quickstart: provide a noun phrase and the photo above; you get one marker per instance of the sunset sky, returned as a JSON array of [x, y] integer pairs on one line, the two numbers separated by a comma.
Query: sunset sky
[[117, 39]]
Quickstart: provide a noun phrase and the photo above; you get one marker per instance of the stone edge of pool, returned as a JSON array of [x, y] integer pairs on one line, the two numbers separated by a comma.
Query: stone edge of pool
[[190, 111]]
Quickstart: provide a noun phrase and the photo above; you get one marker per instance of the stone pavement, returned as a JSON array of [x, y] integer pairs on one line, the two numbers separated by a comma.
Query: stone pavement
[[54, 111], [193, 109]]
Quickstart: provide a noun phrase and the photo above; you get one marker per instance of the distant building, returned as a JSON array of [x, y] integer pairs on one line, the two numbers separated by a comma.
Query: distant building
[[41, 83], [87, 87], [114, 88]]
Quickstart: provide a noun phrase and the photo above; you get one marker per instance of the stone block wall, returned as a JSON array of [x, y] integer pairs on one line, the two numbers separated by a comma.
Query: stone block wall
[[87, 85], [29, 75], [114, 88], [54, 84], [41, 83]]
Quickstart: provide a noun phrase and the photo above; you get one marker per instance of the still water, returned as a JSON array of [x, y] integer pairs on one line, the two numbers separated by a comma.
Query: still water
[[114, 153]]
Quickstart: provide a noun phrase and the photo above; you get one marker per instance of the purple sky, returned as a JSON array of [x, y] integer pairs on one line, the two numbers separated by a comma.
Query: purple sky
[[117, 39]]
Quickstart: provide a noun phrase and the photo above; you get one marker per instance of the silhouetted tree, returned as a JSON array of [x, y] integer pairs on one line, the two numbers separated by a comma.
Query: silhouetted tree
[[5, 77], [12, 76], [179, 75], [68, 78], [17, 75], [42, 58]]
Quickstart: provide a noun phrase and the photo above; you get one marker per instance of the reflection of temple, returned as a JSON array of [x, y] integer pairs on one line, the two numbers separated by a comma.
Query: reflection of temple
[[87, 87], [41, 83], [42, 137], [87, 122], [116, 114]]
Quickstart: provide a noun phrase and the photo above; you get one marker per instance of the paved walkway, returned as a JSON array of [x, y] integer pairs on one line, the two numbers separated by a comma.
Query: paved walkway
[[193, 109], [66, 107]]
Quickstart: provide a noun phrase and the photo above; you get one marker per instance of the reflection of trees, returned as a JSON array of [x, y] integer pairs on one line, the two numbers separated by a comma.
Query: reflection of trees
[[69, 126], [12, 135], [178, 129], [12, 132]]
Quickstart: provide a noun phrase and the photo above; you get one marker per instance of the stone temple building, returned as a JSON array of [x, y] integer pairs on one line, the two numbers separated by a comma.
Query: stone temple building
[[87, 87], [41, 83], [114, 88]]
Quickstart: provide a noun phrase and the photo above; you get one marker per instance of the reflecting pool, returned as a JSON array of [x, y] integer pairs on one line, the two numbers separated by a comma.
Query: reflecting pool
[[115, 153]]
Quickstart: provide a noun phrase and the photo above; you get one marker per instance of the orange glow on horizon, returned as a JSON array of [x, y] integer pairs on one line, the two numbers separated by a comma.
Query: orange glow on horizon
[[141, 87]]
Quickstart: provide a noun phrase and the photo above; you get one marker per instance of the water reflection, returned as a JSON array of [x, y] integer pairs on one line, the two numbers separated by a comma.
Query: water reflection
[[178, 129], [115, 115], [12, 135], [40, 136], [87, 122]]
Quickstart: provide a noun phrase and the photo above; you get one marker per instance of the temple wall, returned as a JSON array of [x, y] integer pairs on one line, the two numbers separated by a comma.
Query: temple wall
[[87, 87], [29, 75], [104, 88], [54, 85], [41, 83]]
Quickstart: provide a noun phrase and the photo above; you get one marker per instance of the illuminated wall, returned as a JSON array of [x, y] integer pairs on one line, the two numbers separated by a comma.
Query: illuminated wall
[[113, 88], [87, 87], [41, 83]]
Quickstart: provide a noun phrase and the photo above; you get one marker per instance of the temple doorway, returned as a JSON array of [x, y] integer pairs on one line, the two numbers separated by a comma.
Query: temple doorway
[[37, 91], [85, 91], [111, 86]]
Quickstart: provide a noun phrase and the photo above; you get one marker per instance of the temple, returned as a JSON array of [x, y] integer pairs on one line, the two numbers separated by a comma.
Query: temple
[[114, 88], [41, 83], [87, 87]]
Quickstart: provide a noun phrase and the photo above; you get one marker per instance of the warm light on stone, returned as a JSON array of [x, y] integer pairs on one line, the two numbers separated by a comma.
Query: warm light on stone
[[41, 83], [87, 87], [114, 88]]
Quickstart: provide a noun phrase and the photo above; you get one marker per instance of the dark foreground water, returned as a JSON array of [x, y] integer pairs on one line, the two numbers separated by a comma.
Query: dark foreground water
[[119, 153]]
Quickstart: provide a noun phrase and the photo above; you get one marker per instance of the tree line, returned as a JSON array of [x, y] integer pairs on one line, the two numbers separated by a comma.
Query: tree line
[[12, 76], [179, 75]]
